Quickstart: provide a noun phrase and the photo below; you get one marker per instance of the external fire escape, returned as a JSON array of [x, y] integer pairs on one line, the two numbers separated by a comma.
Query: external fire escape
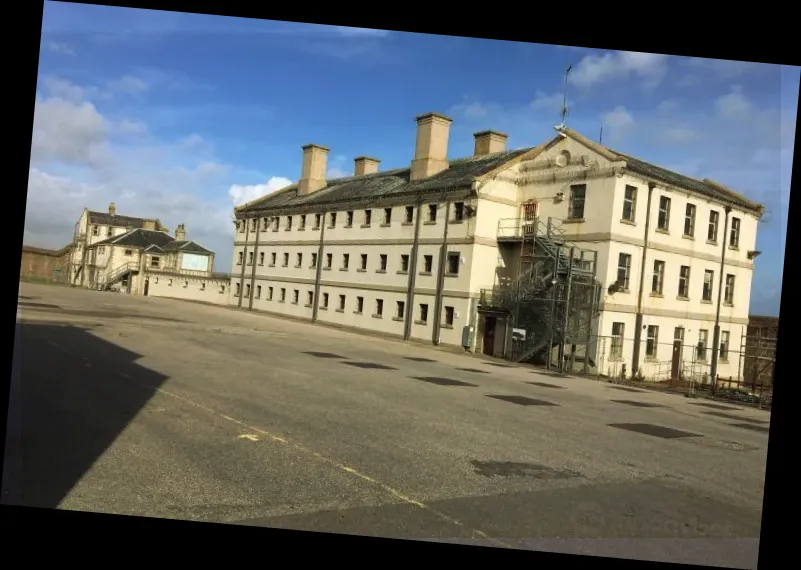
[[553, 301], [120, 274]]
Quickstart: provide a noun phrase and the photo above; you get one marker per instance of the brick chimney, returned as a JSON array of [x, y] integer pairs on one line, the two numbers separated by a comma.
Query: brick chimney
[[180, 232], [112, 209], [489, 142], [431, 147], [312, 177], [366, 165]]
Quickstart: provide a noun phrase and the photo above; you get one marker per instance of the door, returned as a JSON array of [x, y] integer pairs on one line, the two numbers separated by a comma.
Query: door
[[675, 364], [488, 346], [147, 285]]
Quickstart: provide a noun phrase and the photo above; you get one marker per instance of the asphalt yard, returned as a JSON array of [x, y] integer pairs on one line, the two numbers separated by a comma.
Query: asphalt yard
[[163, 408]]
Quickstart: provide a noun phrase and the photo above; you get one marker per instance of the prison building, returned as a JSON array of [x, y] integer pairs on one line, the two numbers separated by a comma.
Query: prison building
[[567, 253], [45, 265]]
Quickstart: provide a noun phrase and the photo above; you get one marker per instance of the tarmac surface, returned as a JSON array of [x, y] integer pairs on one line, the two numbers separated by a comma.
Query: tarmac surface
[[163, 408]]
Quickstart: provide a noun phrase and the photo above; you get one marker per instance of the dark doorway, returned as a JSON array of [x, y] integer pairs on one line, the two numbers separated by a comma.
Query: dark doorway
[[675, 364], [147, 286], [488, 347]]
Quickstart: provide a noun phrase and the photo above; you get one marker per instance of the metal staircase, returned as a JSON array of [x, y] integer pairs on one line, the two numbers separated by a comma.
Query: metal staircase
[[555, 297], [117, 275]]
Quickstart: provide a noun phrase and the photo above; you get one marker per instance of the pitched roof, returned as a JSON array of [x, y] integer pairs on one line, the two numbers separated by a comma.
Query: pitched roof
[[383, 185], [705, 187], [154, 242], [46, 251], [106, 219]]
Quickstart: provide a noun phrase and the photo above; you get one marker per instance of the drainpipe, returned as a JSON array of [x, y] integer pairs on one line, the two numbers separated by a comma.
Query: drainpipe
[[246, 221], [443, 257], [255, 261], [635, 360], [83, 250], [319, 269], [716, 334], [407, 331]]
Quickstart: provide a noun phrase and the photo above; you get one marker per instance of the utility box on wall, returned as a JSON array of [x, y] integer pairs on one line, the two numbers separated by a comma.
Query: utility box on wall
[[467, 336]]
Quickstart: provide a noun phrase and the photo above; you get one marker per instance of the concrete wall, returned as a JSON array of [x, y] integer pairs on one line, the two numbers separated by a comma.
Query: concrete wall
[[187, 287], [44, 264]]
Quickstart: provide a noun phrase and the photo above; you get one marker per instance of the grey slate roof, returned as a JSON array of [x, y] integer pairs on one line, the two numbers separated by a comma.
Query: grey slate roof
[[383, 185], [106, 219], [153, 242]]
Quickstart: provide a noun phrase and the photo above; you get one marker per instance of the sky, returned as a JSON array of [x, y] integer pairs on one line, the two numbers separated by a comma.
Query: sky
[[183, 116]]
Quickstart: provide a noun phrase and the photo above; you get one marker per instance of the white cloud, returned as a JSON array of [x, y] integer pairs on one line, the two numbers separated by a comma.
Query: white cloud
[[361, 32], [132, 127], [597, 69], [128, 84], [733, 105], [678, 135], [68, 132], [547, 102], [63, 89], [618, 119], [723, 68], [667, 106], [62, 48], [241, 194]]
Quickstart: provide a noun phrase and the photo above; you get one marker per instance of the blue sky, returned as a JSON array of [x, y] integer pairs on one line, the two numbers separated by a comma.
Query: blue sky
[[181, 115]]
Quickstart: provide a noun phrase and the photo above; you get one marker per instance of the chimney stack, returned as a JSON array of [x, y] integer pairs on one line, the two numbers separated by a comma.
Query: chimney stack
[[112, 209], [180, 232], [489, 142], [366, 165], [431, 147], [312, 178], [149, 225]]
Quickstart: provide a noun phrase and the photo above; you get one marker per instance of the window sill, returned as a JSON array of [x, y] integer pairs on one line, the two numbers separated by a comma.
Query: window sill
[[425, 273], [657, 295], [430, 223], [662, 231], [287, 229], [294, 303], [344, 269], [261, 265], [378, 317], [407, 224], [628, 222], [348, 226], [574, 221], [734, 247], [651, 359], [380, 270], [386, 225], [711, 242], [688, 236], [308, 305], [286, 266], [456, 222], [419, 322], [364, 226], [340, 310], [326, 269], [362, 270], [275, 229], [681, 298], [397, 319], [706, 301], [301, 229], [298, 266], [725, 304], [331, 227], [357, 313], [401, 272], [271, 265], [323, 308], [447, 326], [451, 275], [315, 228], [281, 301]]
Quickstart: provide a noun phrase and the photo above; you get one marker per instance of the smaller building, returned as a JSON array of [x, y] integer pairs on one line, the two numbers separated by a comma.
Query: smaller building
[[153, 263], [46, 265], [759, 350]]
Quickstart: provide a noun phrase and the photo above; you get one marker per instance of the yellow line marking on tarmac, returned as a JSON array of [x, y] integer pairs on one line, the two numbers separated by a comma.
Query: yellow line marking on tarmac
[[249, 436]]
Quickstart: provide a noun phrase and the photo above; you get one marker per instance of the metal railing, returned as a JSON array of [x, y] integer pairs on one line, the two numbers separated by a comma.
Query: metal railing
[[117, 275]]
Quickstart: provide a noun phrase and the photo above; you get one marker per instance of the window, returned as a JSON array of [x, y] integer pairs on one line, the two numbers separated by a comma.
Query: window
[[269, 293], [383, 262], [364, 262], [432, 212], [300, 260], [302, 224], [325, 300], [578, 193], [261, 258], [222, 287], [129, 252], [295, 296], [314, 260], [453, 263], [102, 249], [333, 219], [449, 316], [169, 284], [703, 336], [329, 260], [264, 224], [317, 218], [678, 334], [734, 235], [428, 262], [709, 278], [108, 231], [724, 345], [663, 220], [349, 219], [379, 307], [728, 292], [276, 221], [404, 263], [236, 291], [623, 270], [401, 309], [203, 286], [409, 214], [286, 260], [387, 215], [651, 341], [345, 260], [458, 211], [629, 203], [423, 313], [689, 220], [250, 258], [310, 298], [712, 231], [95, 231], [342, 302], [272, 259], [359, 304], [258, 291], [239, 258], [289, 223], [659, 277], [618, 330], [684, 281], [154, 261], [368, 217], [283, 295]]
